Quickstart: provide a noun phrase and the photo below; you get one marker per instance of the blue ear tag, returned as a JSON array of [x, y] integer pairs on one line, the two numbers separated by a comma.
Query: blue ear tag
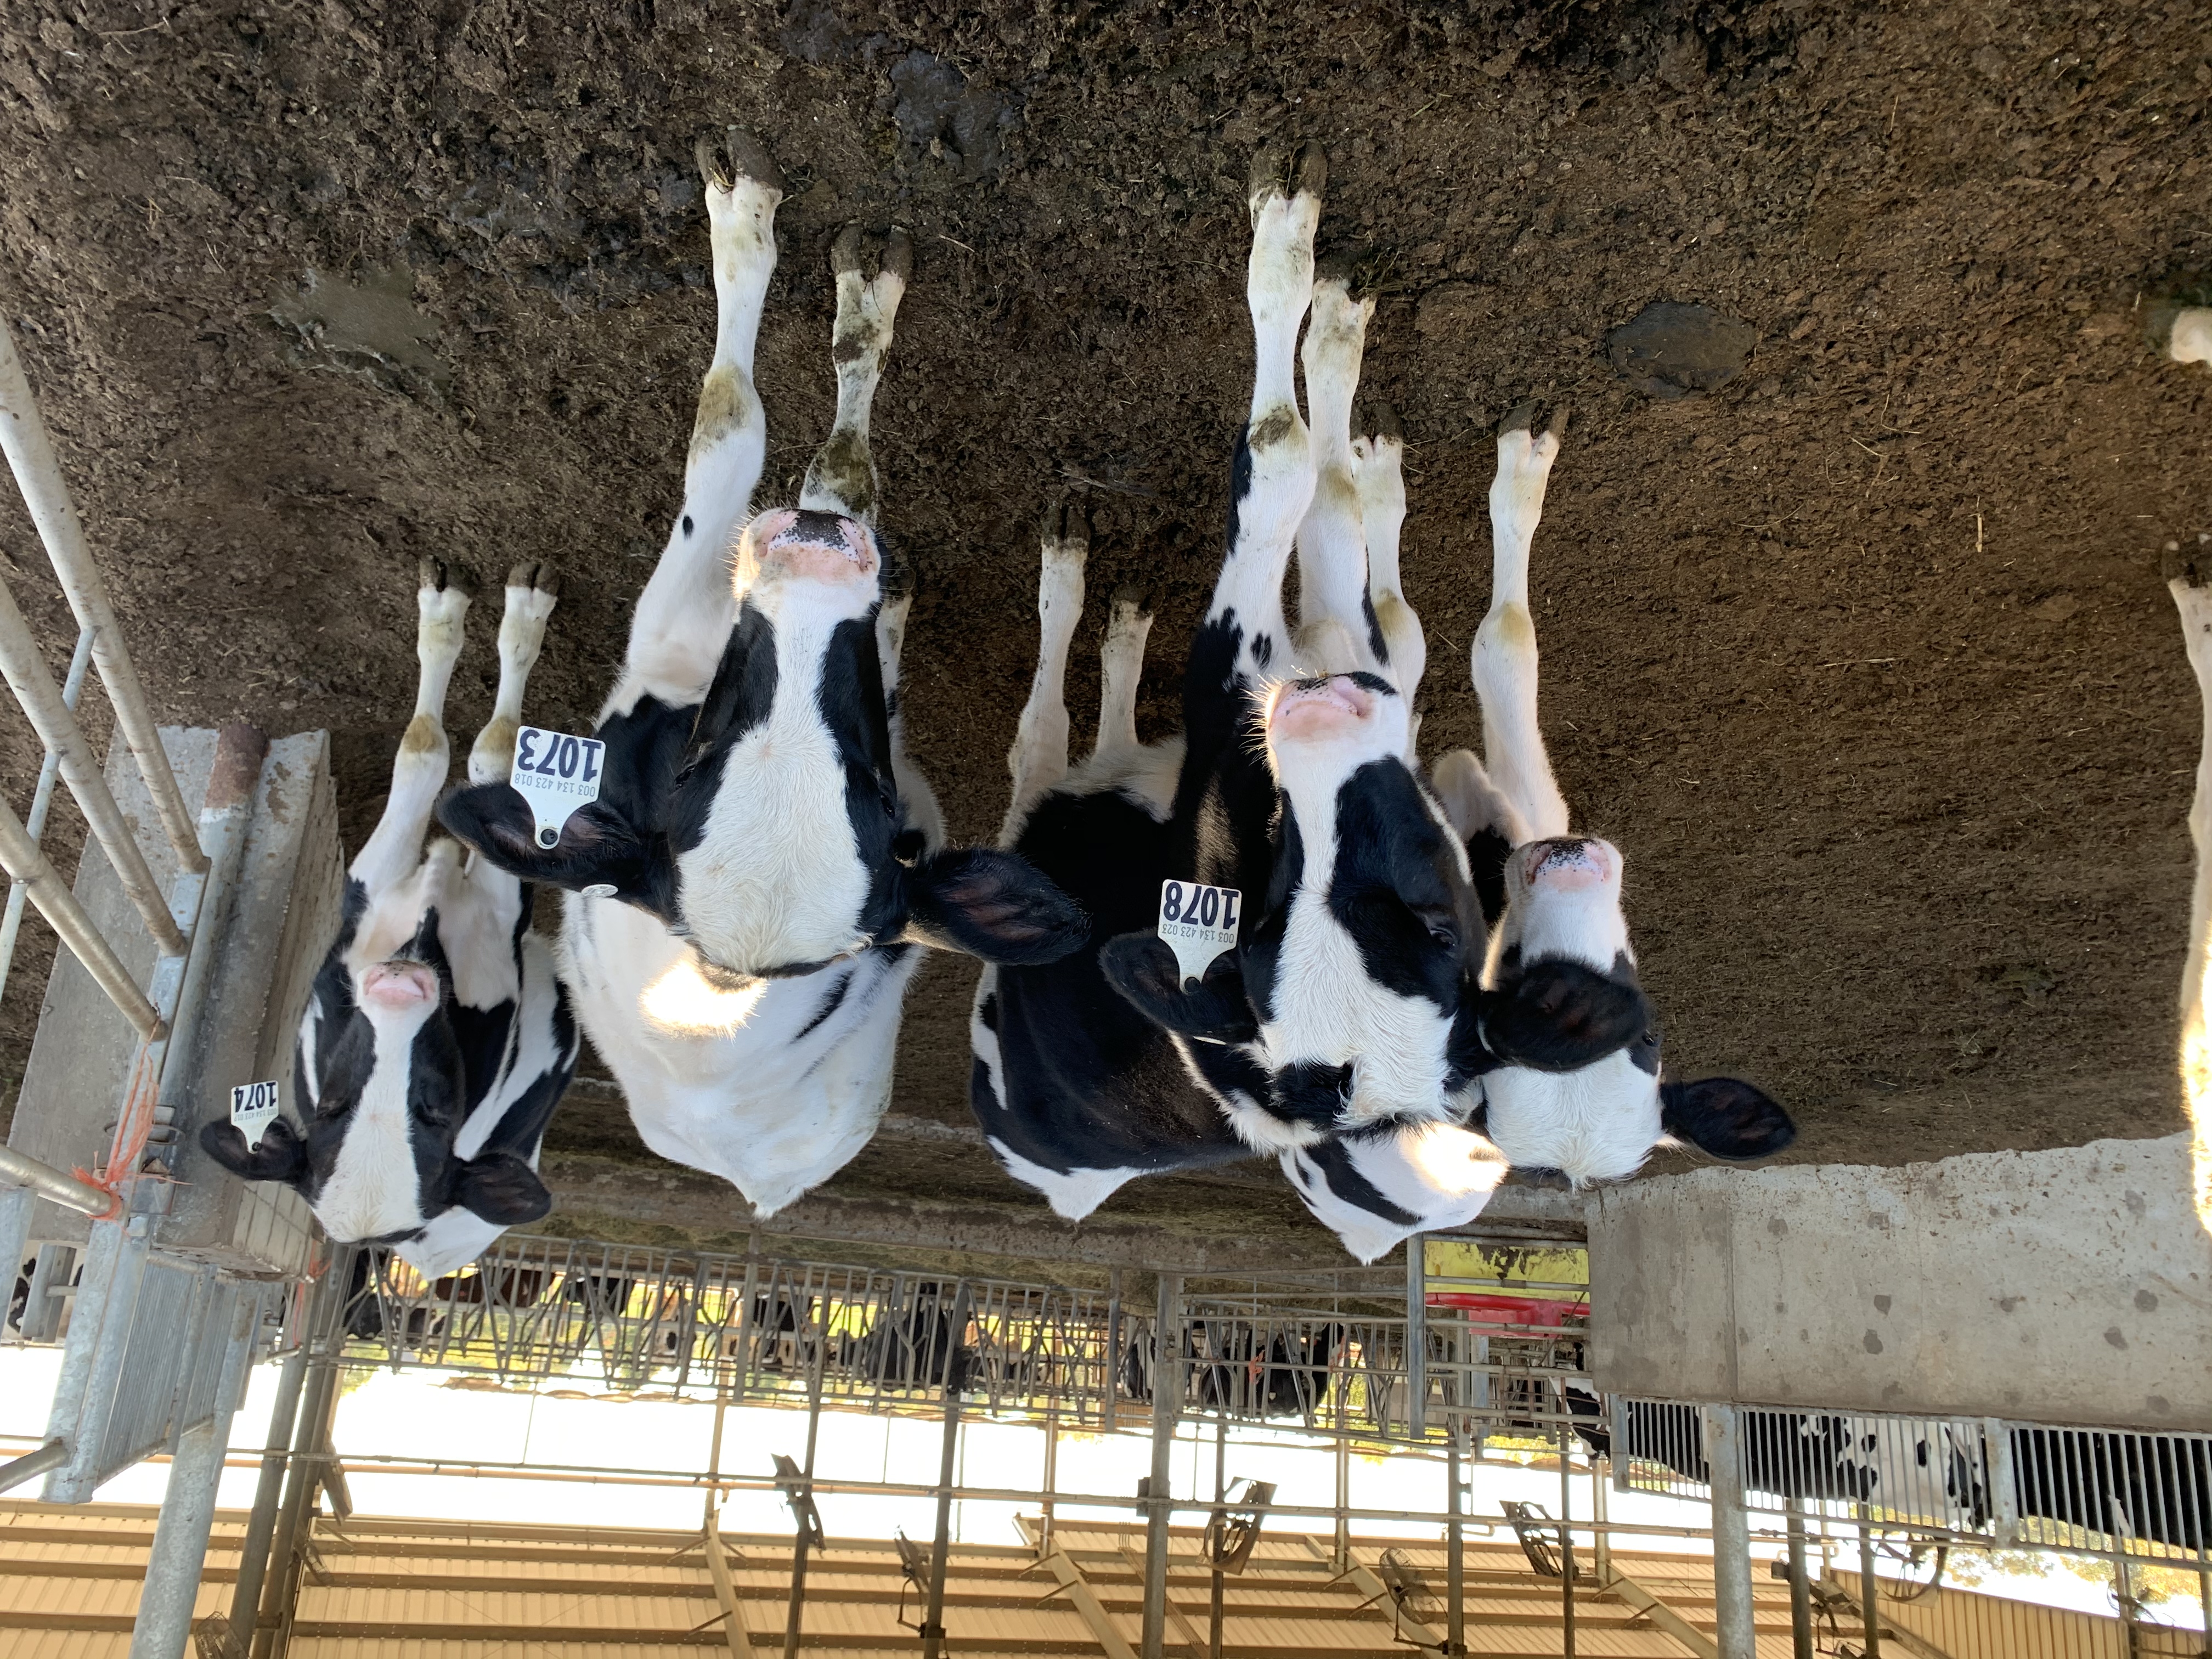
[[253, 1107], [556, 774], [1199, 923]]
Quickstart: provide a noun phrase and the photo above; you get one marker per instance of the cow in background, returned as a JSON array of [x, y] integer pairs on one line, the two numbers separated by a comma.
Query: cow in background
[[747, 897], [438, 1039]]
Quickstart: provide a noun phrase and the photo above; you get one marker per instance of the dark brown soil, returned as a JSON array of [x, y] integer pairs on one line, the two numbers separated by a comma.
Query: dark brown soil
[[1862, 657]]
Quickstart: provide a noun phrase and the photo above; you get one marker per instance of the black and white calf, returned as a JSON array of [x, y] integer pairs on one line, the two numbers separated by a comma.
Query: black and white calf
[[1351, 1024], [1553, 896], [438, 1040], [746, 896]]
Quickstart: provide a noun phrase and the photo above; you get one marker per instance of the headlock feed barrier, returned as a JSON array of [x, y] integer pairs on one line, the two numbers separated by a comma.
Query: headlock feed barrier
[[159, 1340]]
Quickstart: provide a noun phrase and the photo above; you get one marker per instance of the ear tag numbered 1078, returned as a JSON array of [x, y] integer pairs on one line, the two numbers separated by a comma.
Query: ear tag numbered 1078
[[253, 1107], [556, 774], [1199, 923]]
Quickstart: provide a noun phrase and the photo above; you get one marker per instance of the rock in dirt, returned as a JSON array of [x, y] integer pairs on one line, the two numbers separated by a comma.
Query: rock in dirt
[[1670, 350]]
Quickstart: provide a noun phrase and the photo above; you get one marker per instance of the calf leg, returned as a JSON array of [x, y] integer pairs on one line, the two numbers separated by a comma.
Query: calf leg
[[1038, 759], [1120, 666], [1273, 482], [1337, 632], [686, 611], [531, 590], [2189, 581], [394, 848], [1377, 467], [841, 477], [1504, 656]]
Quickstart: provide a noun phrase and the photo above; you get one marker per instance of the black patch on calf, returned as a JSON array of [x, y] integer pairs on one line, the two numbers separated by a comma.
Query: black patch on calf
[[1560, 1016], [1375, 641], [739, 698], [282, 1155], [992, 905], [1393, 887], [1309, 1092], [499, 1188], [1263, 649], [1725, 1117], [1344, 1180], [830, 1004], [1487, 850]]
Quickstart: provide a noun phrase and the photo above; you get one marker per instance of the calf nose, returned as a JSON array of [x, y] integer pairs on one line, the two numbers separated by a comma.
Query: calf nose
[[399, 985], [1320, 707], [1570, 863], [823, 547]]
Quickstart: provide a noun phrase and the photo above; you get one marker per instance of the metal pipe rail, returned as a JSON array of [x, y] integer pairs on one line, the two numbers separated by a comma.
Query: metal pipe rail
[[23, 861], [31, 457], [42, 800], [20, 1170]]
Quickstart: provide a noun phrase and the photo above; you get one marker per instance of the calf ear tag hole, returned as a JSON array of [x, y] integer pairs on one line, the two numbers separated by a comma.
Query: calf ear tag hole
[[556, 774], [1198, 923]]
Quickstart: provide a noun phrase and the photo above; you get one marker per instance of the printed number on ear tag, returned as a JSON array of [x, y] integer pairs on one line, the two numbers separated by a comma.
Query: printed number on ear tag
[[1199, 923], [556, 774], [253, 1107]]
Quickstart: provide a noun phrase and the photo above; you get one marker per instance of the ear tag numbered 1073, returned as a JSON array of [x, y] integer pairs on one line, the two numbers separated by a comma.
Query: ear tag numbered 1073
[[556, 774], [253, 1107], [1199, 923]]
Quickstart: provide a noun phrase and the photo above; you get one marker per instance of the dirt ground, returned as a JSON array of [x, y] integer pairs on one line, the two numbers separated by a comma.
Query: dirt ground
[[1862, 657]]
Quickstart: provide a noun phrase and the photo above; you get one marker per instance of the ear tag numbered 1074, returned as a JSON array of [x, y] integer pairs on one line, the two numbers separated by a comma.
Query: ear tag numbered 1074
[[1199, 923], [253, 1107], [556, 774]]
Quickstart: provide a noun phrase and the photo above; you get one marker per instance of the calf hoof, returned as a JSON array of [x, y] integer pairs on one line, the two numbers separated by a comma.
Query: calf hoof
[[436, 576], [1287, 170], [1523, 417], [740, 155], [1066, 527], [1378, 423], [537, 576], [860, 252]]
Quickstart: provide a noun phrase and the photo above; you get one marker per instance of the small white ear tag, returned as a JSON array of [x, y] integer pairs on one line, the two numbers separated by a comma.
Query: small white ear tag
[[253, 1107], [556, 774], [1199, 923]]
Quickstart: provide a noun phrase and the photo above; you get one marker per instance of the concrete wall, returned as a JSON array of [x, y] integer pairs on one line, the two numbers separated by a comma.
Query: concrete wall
[[2065, 1286]]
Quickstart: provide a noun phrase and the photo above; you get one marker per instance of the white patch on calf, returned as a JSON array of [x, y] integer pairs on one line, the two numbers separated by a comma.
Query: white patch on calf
[[373, 1190], [1073, 1195], [1599, 1123], [1440, 1174]]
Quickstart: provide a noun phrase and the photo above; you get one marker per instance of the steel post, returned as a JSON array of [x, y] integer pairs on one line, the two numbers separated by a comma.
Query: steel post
[[1051, 1479], [1567, 1544], [1600, 1506], [1870, 1603], [1734, 1629], [940, 1555], [42, 800], [178, 1556], [38, 878], [15, 1209], [1220, 1496], [108, 1296], [1167, 1402], [794, 1612], [31, 457], [1454, 1552], [1417, 1336], [261, 1520], [310, 1435], [1801, 1590], [1340, 1548]]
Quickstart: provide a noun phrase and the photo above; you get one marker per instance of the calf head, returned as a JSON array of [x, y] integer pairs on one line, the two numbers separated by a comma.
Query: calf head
[[1600, 1120], [777, 840], [1357, 985], [376, 1162]]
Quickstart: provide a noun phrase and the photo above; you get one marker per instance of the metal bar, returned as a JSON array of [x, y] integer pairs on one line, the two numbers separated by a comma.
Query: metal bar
[[42, 800], [737, 1634], [1342, 1556], [179, 1555], [1112, 1424], [20, 1169], [107, 1296], [795, 1609], [1454, 1553], [1600, 1540], [1051, 1476], [1220, 1498], [32, 1464], [940, 1553], [31, 455], [1088, 1607], [274, 1616], [28, 865], [1567, 1551], [1167, 1400], [1416, 1337], [1870, 1615], [261, 1520], [24, 667], [1732, 1595], [1801, 1591], [1626, 1590], [1373, 1590]]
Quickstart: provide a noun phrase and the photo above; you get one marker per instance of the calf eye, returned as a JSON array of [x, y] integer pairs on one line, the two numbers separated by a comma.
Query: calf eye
[[1443, 936]]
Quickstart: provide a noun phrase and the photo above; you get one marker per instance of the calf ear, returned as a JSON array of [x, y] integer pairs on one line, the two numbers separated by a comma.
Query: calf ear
[[282, 1155], [501, 1189], [992, 905], [1143, 968], [1559, 1016], [597, 848], [1725, 1117]]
